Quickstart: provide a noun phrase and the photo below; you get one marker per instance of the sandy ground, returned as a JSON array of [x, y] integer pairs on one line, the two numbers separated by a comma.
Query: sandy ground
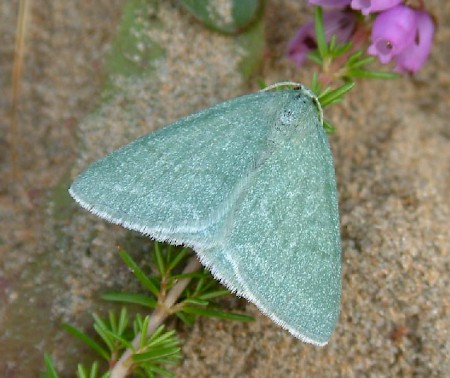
[[392, 159]]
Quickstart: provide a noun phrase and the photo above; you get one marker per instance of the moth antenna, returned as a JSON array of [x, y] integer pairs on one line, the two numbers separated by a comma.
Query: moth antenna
[[282, 84]]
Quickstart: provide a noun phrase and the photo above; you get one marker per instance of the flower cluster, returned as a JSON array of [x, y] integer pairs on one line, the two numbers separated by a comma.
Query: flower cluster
[[399, 33]]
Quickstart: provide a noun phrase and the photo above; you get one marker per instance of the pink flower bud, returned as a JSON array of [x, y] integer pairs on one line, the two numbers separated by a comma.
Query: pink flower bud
[[371, 6], [415, 55], [336, 22], [393, 30]]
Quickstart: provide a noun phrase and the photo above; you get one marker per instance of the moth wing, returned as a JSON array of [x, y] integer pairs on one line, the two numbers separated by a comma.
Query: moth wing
[[283, 239], [175, 183]]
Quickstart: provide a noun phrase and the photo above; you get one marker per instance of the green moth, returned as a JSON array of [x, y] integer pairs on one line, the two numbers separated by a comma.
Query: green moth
[[249, 184]]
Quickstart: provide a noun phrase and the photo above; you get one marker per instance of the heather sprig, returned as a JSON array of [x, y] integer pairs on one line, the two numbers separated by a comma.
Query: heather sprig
[[354, 29], [177, 285]]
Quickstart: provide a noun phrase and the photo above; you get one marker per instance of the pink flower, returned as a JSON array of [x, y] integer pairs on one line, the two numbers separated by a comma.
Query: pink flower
[[370, 6], [392, 32], [415, 54], [336, 22], [330, 3]]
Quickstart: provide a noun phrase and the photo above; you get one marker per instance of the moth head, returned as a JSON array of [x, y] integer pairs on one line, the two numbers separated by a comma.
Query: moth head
[[306, 92]]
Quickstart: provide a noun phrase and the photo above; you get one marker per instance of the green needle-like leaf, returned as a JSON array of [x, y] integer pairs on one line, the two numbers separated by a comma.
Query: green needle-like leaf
[[83, 373], [139, 299], [333, 96], [123, 321], [144, 331], [179, 257], [315, 85], [196, 301], [200, 284], [354, 57], [188, 275], [332, 45], [159, 259], [360, 63], [320, 33], [156, 354], [214, 294], [140, 275], [342, 49], [138, 323], [102, 332], [372, 74], [167, 339], [94, 370], [158, 332], [169, 251], [50, 371], [160, 348], [87, 340], [315, 57], [325, 91], [329, 128], [108, 334], [112, 322], [185, 318], [151, 370], [261, 83]]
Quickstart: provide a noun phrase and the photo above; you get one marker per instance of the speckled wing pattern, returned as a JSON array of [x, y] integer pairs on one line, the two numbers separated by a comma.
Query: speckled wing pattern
[[250, 185]]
